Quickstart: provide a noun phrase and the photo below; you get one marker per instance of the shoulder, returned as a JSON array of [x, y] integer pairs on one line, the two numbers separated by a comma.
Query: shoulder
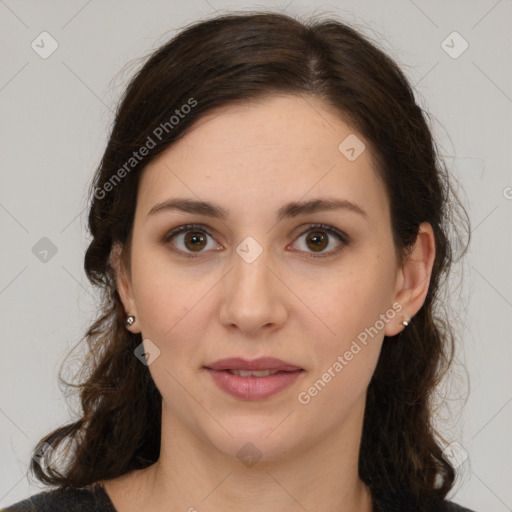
[[409, 506], [87, 499], [453, 507]]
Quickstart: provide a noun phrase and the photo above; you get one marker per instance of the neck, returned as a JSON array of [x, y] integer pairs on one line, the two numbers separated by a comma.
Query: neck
[[191, 474]]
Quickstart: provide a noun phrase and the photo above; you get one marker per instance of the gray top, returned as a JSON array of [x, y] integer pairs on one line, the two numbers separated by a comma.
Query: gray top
[[88, 499]]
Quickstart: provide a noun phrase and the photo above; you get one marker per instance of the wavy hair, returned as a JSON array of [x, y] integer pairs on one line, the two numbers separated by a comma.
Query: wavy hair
[[234, 59]]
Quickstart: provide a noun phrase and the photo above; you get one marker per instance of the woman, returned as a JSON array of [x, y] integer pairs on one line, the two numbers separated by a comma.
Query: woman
[[269, 228]]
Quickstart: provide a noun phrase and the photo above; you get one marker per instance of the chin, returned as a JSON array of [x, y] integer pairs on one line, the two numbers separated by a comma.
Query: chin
[[256, 439]]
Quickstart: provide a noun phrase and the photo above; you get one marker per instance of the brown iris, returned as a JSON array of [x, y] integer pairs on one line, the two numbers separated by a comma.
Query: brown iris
[[319, 240], [195, 238]]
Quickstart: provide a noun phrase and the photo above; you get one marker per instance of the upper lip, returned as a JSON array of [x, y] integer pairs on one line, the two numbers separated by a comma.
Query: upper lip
[[262, 363]]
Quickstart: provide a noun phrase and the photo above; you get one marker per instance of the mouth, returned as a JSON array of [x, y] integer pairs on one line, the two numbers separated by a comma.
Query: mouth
[[253, 380]]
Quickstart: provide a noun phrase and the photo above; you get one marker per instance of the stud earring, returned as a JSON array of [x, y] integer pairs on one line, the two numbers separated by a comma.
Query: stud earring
[[130, 320], [405, 323]]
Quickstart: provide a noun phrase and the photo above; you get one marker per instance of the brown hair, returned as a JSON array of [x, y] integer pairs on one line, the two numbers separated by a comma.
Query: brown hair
[[237, 58]]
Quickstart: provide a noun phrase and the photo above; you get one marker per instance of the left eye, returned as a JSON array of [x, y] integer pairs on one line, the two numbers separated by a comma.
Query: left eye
[[195, 240], [318, 237]]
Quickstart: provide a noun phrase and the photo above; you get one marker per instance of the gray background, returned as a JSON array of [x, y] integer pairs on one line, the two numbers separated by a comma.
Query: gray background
[[55, 117]]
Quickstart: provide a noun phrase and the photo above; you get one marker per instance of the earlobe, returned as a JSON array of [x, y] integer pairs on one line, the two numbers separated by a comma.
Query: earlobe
[[414, 279], [124, 288]]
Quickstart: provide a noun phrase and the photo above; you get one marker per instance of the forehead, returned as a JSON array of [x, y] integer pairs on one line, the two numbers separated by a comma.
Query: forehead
[[268, 125], [265, 153]]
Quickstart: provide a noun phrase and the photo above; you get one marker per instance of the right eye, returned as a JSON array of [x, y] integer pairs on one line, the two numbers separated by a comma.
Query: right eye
[[192, 237]]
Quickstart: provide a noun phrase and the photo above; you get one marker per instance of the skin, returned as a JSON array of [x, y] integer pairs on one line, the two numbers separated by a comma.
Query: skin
[[251, 160]]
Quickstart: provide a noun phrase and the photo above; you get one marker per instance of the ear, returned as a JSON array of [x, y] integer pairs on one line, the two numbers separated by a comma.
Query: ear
[[413, 279], [124, 285]]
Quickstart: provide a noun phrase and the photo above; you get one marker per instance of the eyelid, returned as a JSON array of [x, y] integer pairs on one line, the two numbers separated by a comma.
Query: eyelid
[[184, 228], [325, 227], [342, 237]]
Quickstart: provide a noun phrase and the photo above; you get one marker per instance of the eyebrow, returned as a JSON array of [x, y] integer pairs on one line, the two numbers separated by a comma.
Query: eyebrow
[[289, 210]]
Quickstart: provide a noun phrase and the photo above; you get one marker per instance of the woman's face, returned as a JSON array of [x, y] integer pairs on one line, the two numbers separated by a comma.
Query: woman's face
[[264, 281]]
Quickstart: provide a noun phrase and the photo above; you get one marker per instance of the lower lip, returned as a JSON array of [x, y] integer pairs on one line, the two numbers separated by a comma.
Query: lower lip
[[253, 388]]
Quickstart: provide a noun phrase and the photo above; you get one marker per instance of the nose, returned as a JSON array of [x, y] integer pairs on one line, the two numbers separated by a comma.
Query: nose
[[254, 296]]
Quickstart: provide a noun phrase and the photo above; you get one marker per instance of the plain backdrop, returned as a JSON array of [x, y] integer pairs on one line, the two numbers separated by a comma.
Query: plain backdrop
[[55, 115]]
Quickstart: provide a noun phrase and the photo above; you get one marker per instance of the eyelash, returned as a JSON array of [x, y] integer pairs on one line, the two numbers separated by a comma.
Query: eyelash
[[342, 237]]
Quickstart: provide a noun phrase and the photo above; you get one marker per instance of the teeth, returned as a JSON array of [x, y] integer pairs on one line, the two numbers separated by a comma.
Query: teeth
[[249, 373]]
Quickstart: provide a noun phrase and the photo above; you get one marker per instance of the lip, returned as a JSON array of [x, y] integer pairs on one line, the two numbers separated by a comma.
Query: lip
[[253, 388], [262, 363]]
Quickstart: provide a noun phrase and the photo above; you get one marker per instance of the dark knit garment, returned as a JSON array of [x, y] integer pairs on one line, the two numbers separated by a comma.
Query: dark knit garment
[[88, 499], [95, 499]]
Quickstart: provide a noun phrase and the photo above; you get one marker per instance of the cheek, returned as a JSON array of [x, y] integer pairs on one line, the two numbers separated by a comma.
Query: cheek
[[166, 305], [162, 294], [355, 306], [172, 307], [347, 356], [355, 299]]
